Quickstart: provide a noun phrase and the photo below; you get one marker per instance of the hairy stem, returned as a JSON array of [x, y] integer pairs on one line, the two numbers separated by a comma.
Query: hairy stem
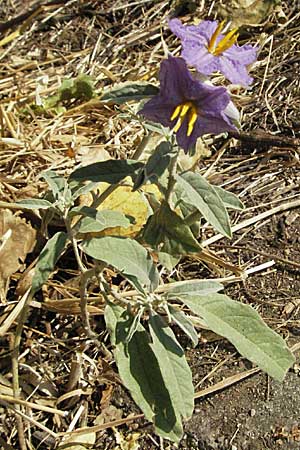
[[84, 280], [172, 179], [15, 367], [142, 145], [85, 276], [192, 218]]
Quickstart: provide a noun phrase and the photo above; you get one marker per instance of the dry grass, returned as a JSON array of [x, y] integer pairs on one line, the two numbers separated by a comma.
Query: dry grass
[[66, 382]]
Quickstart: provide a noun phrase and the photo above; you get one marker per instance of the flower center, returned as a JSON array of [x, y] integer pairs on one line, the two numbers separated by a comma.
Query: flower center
[[189, 110], [225, 43]]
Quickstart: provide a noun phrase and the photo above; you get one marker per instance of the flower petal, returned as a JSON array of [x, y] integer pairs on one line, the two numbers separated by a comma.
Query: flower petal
[[183, 140], [201, 106], [206, 28], [197, 55], [175, 80], [157, 110], [246, 54], [234, 71], [187, 32], [212, 100], [213, 124]]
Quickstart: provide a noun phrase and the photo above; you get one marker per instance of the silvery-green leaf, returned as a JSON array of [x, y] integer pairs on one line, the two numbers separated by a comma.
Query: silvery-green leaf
[[141, 373], [166, 231], [167, 260], [202, 196], [47, 259], [80, 188], [94, 221], [155, 166], [34, 203], [245, 329], [173, 365], [229, 199], [111, 171], [193, 287], [184, 323], [58, 186], [127, 256], [129, 91]]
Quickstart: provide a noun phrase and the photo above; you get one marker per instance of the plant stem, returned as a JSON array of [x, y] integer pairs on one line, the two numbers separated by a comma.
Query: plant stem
[[15, 367], [97, 202], [84, 279], [192, 218], [74, 243], [142, 145], [85, 276], [172, 179]]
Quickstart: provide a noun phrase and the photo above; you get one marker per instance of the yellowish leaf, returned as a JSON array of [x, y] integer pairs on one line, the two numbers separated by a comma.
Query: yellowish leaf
[[124, 200]]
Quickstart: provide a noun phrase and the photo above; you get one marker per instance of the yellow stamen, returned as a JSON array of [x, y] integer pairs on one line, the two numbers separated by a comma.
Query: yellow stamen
[[212, 42], [182, 110], [185, 107], [225, 43], [192, 120], [176, 112], [178, 124]]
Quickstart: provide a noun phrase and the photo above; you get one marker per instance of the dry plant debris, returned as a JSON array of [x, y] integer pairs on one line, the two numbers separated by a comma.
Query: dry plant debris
[[64, 378]]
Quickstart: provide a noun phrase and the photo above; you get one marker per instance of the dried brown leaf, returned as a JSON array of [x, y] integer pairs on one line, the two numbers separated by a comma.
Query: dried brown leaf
[[17, 240]]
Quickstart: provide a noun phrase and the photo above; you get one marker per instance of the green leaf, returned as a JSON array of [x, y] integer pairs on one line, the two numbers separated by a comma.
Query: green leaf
[[155, 166], [80, 188], [126, 329], [84, 87], [173, 365], [81, 87], [127, 256], [112, 315], [128, 91], [200, 194], [141, 374], [229, 199], [56, 183], [193, 287], [168, 232], [47, 259], [111, 171], [95, 221], [245, 329], [34, 203], [167, 260], [122, 324], [184, 323], [58, 186]]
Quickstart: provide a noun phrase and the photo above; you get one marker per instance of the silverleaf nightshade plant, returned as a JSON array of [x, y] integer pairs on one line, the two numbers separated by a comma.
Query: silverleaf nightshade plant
[[150, 360], [208, 50]]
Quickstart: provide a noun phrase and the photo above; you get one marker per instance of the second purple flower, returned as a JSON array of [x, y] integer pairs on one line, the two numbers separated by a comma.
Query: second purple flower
[[206, 48]]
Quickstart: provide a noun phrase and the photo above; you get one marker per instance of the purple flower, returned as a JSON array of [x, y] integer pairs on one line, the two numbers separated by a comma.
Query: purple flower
[[208, 50], [188, 106]]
